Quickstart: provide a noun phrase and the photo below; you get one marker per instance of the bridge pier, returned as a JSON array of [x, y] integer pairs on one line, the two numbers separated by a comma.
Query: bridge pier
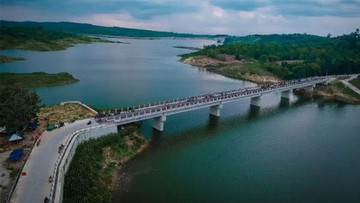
[[159, 123], [215, 110], [311, 87], [255, 102], [286, 95]]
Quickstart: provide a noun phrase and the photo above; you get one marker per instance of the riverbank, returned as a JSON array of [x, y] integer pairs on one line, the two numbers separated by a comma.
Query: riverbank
[[355, 82], [251, 70], [92, 174], [36, 79], [333, 92], [230, 67]]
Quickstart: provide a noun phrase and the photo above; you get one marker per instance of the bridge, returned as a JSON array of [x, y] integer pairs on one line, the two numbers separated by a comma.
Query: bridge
[[57, 164], [215, 101]]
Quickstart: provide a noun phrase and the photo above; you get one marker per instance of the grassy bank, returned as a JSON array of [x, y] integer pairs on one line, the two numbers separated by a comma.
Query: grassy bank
[[355, 82], [333, 92], [229, 66], [7, 59], [92, 172], [36, 79], [55, 114]]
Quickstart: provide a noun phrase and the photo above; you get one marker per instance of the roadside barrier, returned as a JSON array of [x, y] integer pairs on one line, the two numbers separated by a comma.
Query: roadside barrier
[[66, 155]]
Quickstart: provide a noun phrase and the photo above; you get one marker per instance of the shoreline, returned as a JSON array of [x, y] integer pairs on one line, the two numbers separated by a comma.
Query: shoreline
[[9, 59], [332, 92], [37, 79], [229, 67]]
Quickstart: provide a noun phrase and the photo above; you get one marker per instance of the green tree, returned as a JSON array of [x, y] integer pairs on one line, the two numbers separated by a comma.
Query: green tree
[[17, 107]]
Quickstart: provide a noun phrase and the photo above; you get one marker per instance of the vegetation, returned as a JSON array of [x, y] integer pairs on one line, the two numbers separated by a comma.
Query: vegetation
[[240, 71], [36, 79], [6, 59], [355, 82], [339, 55], [55, 114], [278, 39], [17, 107], [347, 91], [189, 48], [82, 28], [37, 38], [90, 173]]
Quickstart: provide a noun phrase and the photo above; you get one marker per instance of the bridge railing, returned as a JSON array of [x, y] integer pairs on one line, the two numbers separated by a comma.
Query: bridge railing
[[129, 111], [206, 100], [66, 155]]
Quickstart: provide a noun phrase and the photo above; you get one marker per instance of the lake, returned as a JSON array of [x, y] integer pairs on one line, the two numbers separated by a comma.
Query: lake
[[304, 152]]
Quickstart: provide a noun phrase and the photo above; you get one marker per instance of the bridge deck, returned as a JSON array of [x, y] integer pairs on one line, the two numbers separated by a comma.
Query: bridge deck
[[166, 108]]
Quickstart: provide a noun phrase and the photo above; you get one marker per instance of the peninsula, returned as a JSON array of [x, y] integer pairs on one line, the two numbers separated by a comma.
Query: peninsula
[[271, 58], [7, 59], [36, 79]]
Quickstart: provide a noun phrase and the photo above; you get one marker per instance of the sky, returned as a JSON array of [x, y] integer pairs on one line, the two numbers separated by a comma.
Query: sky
[[233, 17]]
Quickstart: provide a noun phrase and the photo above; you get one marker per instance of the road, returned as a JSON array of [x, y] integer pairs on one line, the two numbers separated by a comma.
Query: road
[[349, 85], [34, 187]]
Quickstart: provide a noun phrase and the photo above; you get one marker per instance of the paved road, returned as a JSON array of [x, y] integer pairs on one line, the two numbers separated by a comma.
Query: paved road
[[349, 85], [33, 187]]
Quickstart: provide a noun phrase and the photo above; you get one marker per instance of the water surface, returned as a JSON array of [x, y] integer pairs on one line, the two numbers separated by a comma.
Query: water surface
[[298, 153]]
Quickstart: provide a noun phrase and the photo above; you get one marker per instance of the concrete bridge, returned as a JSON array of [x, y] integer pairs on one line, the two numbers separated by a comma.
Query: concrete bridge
[[215, 101]]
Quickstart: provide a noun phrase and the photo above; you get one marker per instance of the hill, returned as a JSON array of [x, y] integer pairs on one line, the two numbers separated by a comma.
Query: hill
[[284, 59], [37, 38], [83, 28]]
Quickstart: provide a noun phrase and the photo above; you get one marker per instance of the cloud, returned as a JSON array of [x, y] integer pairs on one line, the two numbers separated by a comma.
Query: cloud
[[233, 17], [138, 8], [342, 8]]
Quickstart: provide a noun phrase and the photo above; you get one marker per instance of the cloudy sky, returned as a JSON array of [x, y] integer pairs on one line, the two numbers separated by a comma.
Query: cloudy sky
[[234, 17]]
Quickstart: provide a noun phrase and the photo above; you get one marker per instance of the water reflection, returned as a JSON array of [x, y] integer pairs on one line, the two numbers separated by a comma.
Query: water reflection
[[254, 112], [213, 123], [156, 138]]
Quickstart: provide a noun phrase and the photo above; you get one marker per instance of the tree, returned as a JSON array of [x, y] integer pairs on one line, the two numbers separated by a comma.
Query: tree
[[17, 107]]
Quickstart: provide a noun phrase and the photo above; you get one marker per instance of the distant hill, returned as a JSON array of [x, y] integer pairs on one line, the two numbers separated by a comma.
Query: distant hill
[[83, 28], [38, 39], [277, 39]]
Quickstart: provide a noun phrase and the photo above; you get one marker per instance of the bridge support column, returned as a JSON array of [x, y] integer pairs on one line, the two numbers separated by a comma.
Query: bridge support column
[[159, 123], [215, 110], [285, 95], [255, 102], [311, 88]]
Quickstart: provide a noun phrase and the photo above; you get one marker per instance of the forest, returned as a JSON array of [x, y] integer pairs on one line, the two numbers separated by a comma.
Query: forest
[[332, 55], [37, 38], [279, 39], [36, 79]]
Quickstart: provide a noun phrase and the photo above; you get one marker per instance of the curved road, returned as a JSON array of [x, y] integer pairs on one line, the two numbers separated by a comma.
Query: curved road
[[34, 187]]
